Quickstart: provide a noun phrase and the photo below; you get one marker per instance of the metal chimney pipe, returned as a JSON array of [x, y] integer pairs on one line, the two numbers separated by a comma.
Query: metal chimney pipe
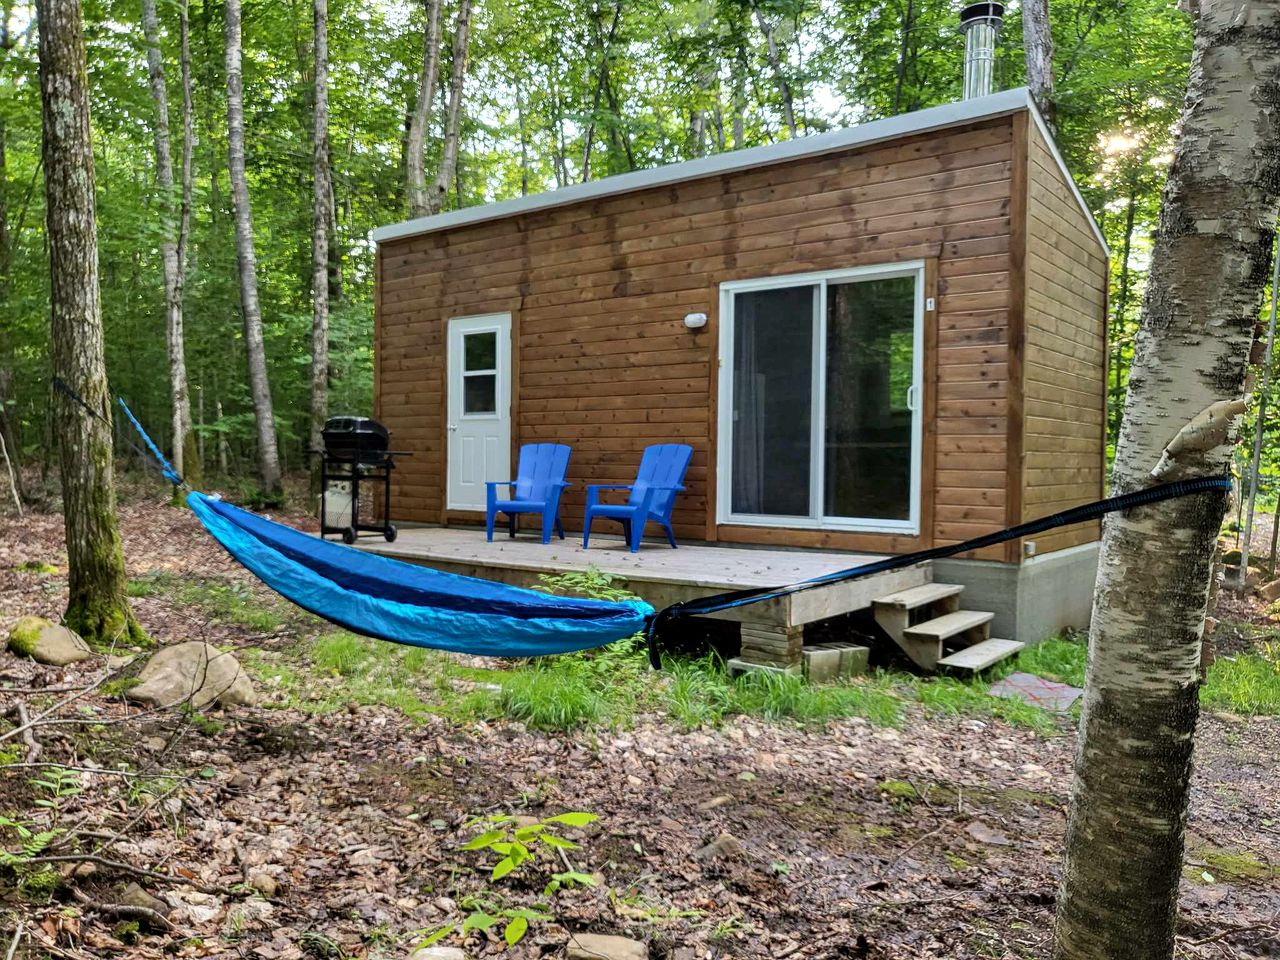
[[980, 23]]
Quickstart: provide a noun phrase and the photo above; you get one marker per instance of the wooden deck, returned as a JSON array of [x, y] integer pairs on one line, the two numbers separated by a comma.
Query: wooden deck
[[661, 575]]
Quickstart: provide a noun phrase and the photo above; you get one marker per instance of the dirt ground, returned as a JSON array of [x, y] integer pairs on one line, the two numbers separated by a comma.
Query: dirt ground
[[939, 839]]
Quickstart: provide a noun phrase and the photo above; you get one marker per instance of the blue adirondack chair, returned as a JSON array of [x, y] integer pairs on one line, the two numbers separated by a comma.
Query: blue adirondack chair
[[537, 488], [659, 479]]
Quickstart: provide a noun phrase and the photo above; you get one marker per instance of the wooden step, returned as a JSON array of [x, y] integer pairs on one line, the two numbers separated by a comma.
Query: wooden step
[[948, 625], [914, 597], [981, 655]]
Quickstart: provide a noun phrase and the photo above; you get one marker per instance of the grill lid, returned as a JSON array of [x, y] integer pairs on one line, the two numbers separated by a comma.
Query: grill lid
[[355, 436]]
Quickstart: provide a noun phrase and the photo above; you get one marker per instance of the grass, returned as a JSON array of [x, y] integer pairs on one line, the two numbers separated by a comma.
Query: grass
[[228, 602], [1248, 684]]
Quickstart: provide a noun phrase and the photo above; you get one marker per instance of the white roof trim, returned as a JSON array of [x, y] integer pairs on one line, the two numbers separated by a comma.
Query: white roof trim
[[875, 131]]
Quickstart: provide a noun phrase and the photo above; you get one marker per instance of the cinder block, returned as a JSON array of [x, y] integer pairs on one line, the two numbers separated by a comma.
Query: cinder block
[[822, 665]]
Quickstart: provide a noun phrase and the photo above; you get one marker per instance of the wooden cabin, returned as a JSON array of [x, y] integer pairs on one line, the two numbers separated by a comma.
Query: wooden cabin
[[876, 340]]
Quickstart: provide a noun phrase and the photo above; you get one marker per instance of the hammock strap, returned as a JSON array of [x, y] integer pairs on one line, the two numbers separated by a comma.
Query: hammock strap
[[169, 473], [1089, 511], [166, 468]]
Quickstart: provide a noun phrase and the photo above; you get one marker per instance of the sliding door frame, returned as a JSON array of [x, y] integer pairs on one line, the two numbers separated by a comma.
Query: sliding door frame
[[816, 520]]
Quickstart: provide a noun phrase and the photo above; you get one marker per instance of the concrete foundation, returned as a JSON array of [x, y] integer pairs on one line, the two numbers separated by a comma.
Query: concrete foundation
[[1037, 599]]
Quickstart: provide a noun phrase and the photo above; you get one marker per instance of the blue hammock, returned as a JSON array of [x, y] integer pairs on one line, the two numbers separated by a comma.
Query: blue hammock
[[405, 603]]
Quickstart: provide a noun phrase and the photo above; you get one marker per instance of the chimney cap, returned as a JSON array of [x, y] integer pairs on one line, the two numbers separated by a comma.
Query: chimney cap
[[984, 10]]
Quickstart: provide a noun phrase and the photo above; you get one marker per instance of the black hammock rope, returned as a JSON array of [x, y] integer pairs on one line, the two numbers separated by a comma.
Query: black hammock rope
[[1085, 512]]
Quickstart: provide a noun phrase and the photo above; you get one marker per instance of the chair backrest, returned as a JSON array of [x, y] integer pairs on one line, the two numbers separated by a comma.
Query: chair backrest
[[541, 466], [663, 465]]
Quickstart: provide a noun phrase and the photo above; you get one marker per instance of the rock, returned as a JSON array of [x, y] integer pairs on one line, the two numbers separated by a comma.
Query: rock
[[1231, 557], [984, 834], [715, 802], [251, 914], [116, 664], [155, 744], [438, 953], [724, 847], [1270, 592], [193, 672], [135, 896], [264, 883], [596, 946], [47, 642]]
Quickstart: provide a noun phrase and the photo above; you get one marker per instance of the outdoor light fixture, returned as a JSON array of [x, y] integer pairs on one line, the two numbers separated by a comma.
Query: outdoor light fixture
[[695, 321]]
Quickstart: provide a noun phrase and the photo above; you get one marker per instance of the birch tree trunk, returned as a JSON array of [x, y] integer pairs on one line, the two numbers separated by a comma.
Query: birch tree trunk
[[247, 261], [415, 147], [97, 608], [191, 466], [453, 115], [321, 213], [779, 75], [1037, 45], [171, 233], [1129, 800]]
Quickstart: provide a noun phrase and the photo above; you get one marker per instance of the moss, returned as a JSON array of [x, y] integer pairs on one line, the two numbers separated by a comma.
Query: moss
[[1232, 865], [39, 886], [36, 566], [26, 634], [899, 789], [105, 621], [118, 687], [127, 932]]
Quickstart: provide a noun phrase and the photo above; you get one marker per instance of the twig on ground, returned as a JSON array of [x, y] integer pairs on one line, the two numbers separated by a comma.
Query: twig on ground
[[1230, 931], [17, 938], [127, 910], [915, 843], [67, 701], [125, 868], [34, 748]]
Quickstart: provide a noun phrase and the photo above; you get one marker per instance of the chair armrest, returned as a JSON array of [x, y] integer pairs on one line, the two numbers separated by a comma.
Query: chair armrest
[[593, 491], [500, 483]]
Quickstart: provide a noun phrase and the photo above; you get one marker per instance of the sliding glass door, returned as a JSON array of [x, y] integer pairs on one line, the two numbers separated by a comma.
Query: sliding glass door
[[820, 385]]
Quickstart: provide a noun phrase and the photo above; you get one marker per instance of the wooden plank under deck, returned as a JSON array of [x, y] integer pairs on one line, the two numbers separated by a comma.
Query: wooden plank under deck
[[659, 574]]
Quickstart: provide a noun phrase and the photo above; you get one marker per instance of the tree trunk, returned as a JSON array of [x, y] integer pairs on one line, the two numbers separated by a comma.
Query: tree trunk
[[192, 462], [453, 115], [1037, 44], [172, 232], [415, 149], [97, 608], [779, 75], [1124, 842], [247, 261], [321, 212], [1122, 308]]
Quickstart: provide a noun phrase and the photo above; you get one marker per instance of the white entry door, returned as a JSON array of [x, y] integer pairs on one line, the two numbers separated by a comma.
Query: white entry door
[[479, 423]]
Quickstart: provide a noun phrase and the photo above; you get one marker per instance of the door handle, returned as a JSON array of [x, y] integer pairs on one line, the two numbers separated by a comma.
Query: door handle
[[453, 426], [913, 395]]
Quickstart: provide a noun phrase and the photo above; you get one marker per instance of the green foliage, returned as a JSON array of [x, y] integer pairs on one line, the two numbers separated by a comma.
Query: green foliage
[[514, 848], [1248, 684], [590, 583]]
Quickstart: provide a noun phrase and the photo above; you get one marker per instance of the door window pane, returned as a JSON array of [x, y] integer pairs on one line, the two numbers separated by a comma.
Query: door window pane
[[480, 350], [480, 393], [772, 401], [867, 431]]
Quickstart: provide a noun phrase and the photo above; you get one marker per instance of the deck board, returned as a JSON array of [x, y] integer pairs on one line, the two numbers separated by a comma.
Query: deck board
[[657, 573]]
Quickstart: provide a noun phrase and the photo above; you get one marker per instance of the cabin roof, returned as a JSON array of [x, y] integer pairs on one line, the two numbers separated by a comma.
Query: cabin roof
[[993, 105]]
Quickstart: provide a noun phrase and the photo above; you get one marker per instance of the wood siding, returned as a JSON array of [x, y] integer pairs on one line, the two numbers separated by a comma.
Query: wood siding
[[597, 292], [1064, 356]]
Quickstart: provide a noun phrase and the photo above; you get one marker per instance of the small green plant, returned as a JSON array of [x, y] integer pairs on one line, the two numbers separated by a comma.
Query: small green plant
[[36, 566], [514, 848], [54, 785], [590, 583]]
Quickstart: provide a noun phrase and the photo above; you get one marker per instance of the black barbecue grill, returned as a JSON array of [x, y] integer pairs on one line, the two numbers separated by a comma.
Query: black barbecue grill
[[356, 450]]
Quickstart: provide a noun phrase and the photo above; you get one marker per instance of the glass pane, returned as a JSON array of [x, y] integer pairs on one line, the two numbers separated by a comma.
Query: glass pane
[[481, 350], [480, 393], [772, 401], [870, 367]]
